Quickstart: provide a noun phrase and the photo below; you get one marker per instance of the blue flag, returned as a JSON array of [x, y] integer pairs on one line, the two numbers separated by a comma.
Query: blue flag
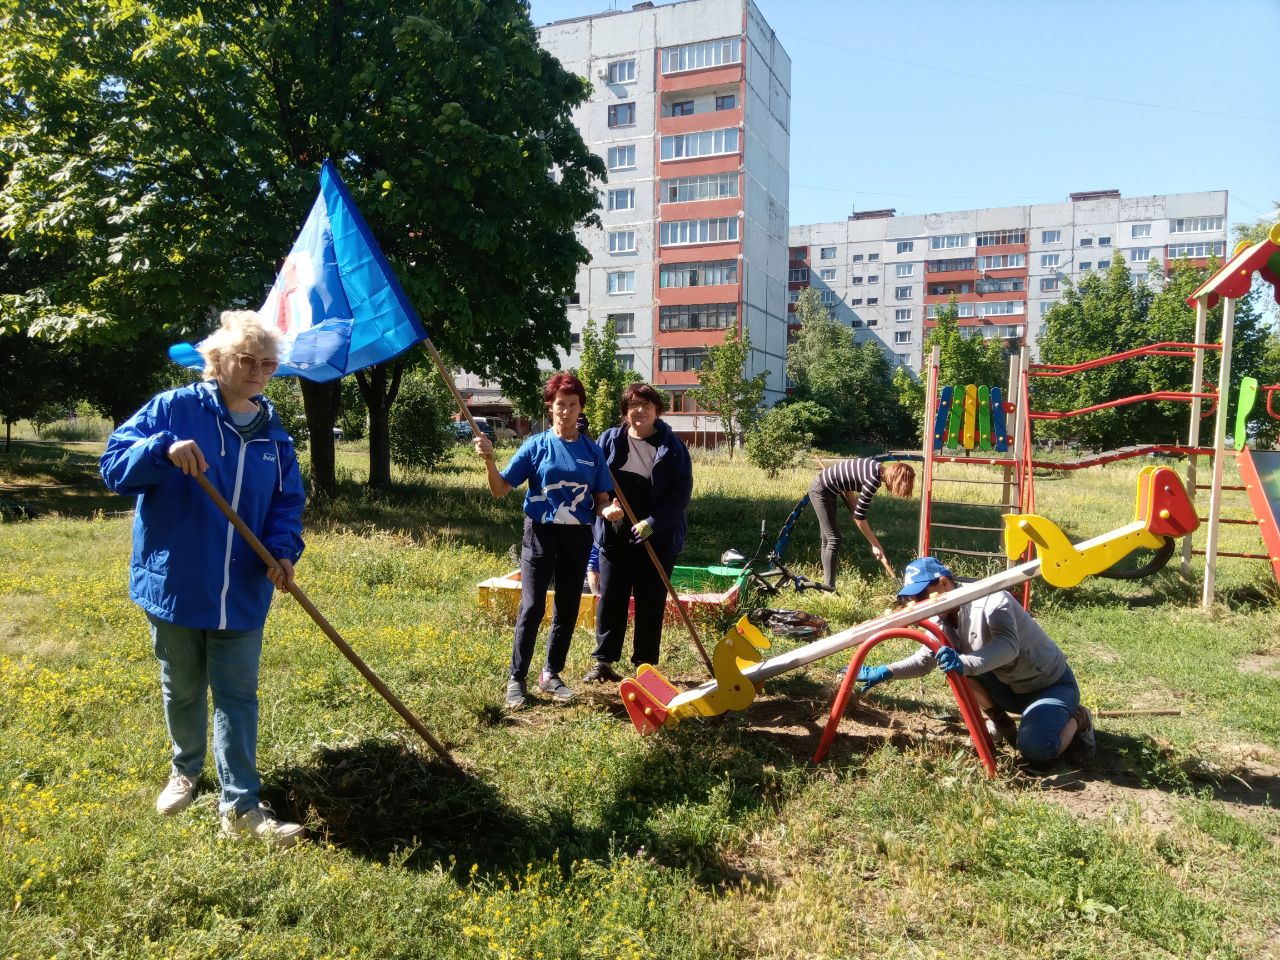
[[337, 304]]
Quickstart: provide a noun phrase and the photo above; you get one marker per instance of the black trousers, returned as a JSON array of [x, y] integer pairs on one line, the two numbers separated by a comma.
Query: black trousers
[[550, 552], [825, 505], [626, 569]]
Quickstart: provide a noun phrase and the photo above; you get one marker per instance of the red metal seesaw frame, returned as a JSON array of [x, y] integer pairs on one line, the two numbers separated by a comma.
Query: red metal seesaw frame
[[931, 635]]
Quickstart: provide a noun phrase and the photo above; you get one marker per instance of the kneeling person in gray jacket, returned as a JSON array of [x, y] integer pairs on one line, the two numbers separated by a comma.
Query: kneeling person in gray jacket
[[1014, 666]]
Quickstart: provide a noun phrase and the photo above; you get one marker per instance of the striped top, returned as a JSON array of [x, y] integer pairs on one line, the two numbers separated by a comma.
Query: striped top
[[860, 475]]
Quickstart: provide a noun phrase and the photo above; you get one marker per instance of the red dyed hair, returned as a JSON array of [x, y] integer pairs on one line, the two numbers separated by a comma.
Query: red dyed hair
[[564, 383]]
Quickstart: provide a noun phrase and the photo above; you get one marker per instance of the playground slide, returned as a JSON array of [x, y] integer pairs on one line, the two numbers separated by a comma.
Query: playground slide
[[1260, 471]]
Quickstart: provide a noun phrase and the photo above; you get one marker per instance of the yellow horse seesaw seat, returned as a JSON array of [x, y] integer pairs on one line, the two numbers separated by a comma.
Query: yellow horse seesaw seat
[[1161, 510]]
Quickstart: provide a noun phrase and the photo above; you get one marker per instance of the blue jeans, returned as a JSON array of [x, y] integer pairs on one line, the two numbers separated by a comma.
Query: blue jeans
[[1044, 712], [193, 662]]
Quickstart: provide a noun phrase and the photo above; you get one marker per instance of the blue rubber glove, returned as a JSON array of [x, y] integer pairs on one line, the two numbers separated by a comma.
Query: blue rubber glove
[[870, 676], [949, 660], [641, 532]]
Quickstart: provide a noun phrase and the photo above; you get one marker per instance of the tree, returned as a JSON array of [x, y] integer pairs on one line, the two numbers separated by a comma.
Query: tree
[[1107, 314], [726, 390], [965, 359], [909, 393], [419, 432], [34, 375], [166, 156], [602, 376], [782, 433], [853, 381]]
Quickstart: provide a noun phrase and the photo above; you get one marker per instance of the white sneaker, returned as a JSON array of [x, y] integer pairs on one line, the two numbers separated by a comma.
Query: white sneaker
[[261, 823], [177, 794]]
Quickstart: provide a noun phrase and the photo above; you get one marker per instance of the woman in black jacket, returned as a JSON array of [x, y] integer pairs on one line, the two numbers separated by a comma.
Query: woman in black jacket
[[652, 466]]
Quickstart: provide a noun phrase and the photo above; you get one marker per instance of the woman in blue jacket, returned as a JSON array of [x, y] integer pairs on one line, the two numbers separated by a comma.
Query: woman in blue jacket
[[652, 466], [203, 589]]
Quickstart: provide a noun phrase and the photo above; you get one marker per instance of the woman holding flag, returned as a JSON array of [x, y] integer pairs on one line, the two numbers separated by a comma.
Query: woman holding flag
[[203, 589], [569, 486]]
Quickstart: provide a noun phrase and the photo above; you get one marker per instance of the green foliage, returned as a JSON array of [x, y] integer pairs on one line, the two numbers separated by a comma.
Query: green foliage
[[853, 381], [602, 375], [965, 359], [909, 392], [286, 396], [783, 432], [157, 163], [419, 422], [1107, 314], [726, 390], [353, 416]]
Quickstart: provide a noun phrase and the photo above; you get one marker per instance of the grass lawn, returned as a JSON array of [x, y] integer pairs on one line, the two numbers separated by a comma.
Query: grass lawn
[[570, 836]]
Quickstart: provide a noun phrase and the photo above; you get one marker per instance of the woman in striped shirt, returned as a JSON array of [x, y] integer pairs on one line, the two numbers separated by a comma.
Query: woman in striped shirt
[[856, 482]]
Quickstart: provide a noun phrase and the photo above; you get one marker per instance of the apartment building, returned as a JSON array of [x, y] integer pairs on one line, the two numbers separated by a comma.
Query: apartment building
[[691, 113], [887, 276]]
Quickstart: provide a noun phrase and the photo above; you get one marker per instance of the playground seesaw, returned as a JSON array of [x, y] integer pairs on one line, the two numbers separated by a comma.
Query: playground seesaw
[[1162, 510]]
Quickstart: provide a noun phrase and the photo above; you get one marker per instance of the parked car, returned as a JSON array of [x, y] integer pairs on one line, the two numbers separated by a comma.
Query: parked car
[[462, 430]]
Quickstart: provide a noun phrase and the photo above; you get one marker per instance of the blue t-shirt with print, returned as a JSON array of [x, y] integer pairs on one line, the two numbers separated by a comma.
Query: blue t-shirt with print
[[563, 477]]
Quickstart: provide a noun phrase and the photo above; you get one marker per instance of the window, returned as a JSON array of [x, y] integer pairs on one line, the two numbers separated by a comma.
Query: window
[[706, 143], [574, 340], [855, 322], [993, 238], [872, 321], [728, 101], [855, 280], [902, 293], [827, 253], [695, 56], [1104, 264], [1086, 266], [624, 199], [624, 323], [999, 308], [679, 233], [872, 257], [948, 266], [793, 296], [622, 241], [827, 273], [681, 359], [902, 336], [627, 361], [622, 71], [1002, 261], [622, 115], [698, 316], [1050, 261], [906, 246], [904, 269], [903, 359], [1139, 254], [1195, 224], [873, 278], [1046, 306], [962, 310], [855, 301], [1002, 285], [622, 158], [1048, 283], [1140, 230], [1050, 236], [948, 241], [1104, 241], [709, 186], [575, 298], [622, 281], [902, 314], [682, 108], [711, 273], [871, 302], [856, 258], [829, 298], [1207, 249], [798, 275], [1086, 241]]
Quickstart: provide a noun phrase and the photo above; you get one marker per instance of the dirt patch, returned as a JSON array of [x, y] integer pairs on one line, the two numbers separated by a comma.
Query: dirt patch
[[1267, 663]]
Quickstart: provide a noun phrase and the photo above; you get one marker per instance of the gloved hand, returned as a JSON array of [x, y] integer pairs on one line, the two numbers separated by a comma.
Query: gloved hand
[[870, 676], [949, 660], [641, 532]]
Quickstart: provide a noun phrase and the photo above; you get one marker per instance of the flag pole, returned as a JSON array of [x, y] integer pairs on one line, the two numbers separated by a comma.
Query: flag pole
[[327, 627], [626, 507]]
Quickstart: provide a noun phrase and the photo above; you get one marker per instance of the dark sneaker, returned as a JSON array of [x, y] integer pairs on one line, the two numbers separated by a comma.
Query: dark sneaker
[[552, 684], [1085, 743], [601, 672], [517, 694]]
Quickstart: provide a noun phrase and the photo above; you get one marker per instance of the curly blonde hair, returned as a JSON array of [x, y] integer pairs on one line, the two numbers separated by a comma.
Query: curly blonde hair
[[241, 331]]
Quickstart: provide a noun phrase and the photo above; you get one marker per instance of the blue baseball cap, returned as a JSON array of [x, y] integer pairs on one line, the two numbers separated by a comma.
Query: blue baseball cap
[[920, 574]]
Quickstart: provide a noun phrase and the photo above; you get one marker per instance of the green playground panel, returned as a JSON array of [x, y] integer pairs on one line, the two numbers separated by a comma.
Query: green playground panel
[[984, 417]]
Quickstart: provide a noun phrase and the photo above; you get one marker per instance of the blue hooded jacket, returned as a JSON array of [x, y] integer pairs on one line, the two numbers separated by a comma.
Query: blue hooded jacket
[[672, 486], [190, 567]]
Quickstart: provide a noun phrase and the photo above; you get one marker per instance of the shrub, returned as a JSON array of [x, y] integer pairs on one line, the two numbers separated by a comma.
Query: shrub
[[783, 432], [286, 396], [419, 422]]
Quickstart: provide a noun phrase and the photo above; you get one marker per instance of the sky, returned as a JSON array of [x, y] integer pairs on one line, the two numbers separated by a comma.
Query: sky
[[955, 105]]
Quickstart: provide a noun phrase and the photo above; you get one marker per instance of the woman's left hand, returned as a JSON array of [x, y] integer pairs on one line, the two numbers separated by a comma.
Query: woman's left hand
[[612, 512], [281, 576]]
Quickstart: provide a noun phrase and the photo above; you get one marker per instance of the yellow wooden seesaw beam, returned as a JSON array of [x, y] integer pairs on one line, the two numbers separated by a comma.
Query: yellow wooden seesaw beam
[[1161, 510]]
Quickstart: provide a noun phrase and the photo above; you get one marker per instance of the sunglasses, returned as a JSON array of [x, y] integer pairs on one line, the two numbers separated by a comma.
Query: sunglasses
[[249, 362]]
